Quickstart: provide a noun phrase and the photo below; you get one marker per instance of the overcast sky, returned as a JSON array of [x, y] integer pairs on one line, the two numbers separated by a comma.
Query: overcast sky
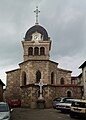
[[64, 20]]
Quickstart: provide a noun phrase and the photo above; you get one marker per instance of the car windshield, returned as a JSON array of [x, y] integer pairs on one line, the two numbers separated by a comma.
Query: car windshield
[[79, 104], [57, 99], [67, 101], [4, 108]]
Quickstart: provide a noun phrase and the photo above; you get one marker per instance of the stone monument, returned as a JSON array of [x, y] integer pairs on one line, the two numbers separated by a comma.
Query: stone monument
[[40, 100]]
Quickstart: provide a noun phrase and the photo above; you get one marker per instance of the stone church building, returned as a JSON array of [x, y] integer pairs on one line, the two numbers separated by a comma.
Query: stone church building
[[1, 89], [37, 65]]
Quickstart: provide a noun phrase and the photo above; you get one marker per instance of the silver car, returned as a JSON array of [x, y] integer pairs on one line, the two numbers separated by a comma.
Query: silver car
[[4, 111], [59, 100], [64, 106]]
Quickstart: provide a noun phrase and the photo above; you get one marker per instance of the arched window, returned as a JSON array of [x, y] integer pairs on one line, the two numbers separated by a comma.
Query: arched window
[[30, 51], [24, 78], [68, 93], [62, 81], [38, 76], [42, 51], [36, 51], [52, 78]]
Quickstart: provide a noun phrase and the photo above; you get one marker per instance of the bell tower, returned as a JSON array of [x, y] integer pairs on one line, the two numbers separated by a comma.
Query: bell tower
[[36, 43]]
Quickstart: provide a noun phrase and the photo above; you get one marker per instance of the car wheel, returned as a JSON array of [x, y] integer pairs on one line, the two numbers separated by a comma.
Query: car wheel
[[71, 115], [62, 111]]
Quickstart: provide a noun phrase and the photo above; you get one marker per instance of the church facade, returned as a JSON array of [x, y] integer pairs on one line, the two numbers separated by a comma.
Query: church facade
[[57, 82]]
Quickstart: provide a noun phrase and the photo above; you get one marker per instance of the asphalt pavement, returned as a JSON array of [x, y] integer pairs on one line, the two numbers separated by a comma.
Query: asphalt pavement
[[38, 114]]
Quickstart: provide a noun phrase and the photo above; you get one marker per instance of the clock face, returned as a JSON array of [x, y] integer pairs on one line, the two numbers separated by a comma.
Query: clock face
[[36, 36]]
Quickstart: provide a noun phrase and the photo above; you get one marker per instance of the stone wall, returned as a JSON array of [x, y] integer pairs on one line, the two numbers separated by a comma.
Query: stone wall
[[60, 91], [52, 68], [46, 68], [33, 44], [58, 74], [1, 92], [84, 80], [13, 85], [65, 74], [31, 67], [29, 94]]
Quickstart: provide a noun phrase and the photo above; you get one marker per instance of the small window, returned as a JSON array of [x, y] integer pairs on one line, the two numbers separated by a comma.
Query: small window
[[23, 78], [30, 51], [68, 93], [62, 81], [36, 51], [42, 51], [38, 76], [52, 78]]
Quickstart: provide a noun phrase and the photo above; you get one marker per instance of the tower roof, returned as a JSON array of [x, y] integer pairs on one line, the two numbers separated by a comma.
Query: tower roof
[[36, 28]]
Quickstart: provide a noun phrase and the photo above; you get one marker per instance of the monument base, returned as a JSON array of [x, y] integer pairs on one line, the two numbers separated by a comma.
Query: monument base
[[40, 103]]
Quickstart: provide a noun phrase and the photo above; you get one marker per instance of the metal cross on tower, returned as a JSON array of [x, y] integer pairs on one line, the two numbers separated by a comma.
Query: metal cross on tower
[[37, 12]]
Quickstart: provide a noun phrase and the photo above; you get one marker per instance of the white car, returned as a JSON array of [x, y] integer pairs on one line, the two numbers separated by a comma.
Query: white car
[[64, 106], [4, 111]]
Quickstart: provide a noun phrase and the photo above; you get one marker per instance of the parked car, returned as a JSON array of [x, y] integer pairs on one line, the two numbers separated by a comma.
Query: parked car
[[55, 101], [65, 105], [78, 109], [15, 103], [4, 111], [59, 100]]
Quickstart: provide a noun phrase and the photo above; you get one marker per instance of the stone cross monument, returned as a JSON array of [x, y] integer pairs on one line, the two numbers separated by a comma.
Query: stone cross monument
[[40, 84]]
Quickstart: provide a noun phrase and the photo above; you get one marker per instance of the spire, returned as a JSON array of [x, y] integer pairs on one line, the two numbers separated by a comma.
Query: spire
[[37, 12]]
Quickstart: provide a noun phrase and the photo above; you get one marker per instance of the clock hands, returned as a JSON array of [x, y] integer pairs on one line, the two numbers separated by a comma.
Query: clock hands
[[35, 37]]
